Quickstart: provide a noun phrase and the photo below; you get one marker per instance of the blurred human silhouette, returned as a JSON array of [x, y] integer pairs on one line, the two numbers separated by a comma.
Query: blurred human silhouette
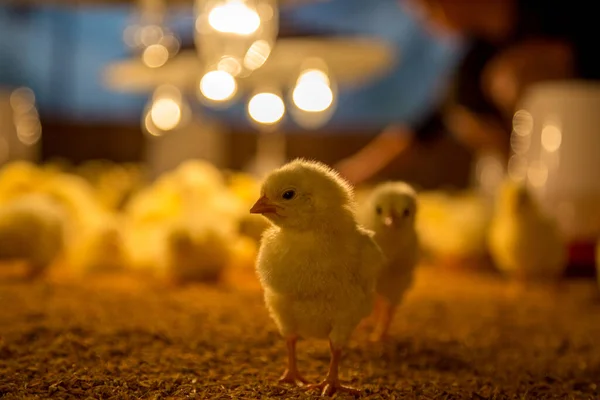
[[513, 44]]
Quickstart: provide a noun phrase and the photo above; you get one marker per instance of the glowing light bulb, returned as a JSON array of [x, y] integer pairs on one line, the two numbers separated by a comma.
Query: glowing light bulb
[[165, 114], [218, 85], [266, 108], [314, 75], [312, 92], [234, 17]]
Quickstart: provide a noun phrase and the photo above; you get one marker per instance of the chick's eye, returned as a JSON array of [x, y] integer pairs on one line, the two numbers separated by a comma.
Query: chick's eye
[[378, 210], [406, 212], [288, 194]]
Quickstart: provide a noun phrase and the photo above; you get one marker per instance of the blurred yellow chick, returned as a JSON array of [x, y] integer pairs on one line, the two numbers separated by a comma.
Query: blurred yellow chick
[[202, 191], [57, 165], [99, 248], [178, 214], [18, 178], [196, 253], [115, 184], [32, 229], [76, 195], [91, 229], [390, 212], [241, 272], [318, 267], [453, 228], [524, 242], [246, 188]]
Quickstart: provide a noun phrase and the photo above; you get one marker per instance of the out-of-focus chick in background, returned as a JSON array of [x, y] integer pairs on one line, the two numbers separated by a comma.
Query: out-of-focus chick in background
[[390, 212], [101, 248], [18, 178], [187, 214], [453, 229], [197, 254], [318, 267], [86, 223], [525, 243], [32, 230], [90, 224], [114, 183], [246, 188]]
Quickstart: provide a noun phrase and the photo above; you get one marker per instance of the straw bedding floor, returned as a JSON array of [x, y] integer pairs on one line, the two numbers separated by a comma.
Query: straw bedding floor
[[456, 337]]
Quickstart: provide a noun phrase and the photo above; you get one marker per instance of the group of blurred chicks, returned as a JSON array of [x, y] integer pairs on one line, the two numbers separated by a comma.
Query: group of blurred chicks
[[510, 232], [191, 224]]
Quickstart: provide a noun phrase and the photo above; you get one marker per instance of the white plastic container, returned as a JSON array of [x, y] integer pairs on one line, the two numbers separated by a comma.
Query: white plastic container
[[556, 148]]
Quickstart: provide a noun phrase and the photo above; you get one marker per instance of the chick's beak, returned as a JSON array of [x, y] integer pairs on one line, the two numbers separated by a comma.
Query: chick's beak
[[391, 220], [263, 206]]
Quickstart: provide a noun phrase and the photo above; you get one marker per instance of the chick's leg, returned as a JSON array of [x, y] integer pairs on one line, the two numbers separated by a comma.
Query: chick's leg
[[331, 384], [291, 374], [372, 319], [385, 320]]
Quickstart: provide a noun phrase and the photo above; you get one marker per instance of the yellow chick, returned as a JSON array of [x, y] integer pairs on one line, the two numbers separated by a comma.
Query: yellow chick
[[317, 266], [18, 178], [99, 248], [440, 213], [196, 254], [32, 229], [390, 212], [246, 188], [524, 242], [57, 165], [76, 195]]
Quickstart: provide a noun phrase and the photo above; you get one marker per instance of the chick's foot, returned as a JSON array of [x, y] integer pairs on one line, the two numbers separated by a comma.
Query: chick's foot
[[329, 387], [292, 377]]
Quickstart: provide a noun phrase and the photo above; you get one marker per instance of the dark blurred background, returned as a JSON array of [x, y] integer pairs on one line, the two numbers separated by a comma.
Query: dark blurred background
[[60, 51]]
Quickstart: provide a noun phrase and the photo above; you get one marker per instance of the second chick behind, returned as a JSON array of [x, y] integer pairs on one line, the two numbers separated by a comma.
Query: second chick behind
[[390, 212]]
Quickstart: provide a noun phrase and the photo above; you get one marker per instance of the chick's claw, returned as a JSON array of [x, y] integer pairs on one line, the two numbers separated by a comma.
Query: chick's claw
[[293, 378], [329, 387]]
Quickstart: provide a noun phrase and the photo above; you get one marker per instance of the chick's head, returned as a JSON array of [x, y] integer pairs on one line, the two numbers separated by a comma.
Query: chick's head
[[303, 195], [392, 205]]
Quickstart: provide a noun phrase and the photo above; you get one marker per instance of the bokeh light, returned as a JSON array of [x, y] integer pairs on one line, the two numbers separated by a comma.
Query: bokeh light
[[218, 85], [266, 108], [234, 17]]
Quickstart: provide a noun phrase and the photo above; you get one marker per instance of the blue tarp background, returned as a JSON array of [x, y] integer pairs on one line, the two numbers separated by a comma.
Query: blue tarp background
[[60, 52]]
